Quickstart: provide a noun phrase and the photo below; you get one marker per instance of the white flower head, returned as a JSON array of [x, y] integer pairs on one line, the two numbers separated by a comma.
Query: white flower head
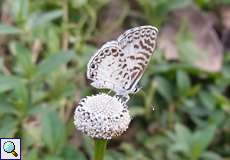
[[102, 116]]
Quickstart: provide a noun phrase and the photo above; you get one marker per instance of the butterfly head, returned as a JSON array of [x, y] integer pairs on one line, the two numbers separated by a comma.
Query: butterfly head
[[136, 90]]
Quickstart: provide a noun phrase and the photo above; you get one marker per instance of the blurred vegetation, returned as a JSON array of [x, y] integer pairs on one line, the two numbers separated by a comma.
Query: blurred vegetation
[[44, 48]]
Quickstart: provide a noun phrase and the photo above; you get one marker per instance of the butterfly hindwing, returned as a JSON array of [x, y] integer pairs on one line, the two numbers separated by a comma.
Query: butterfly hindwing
[[106, 67]]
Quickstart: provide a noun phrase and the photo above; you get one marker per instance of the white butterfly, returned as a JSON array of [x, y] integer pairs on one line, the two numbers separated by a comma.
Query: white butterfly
[[120, 64]]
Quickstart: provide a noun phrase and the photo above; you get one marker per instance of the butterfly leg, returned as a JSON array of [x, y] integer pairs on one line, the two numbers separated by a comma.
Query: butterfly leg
[[123, 98]]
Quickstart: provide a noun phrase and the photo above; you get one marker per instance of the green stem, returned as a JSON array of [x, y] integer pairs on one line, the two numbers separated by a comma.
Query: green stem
[[65, 25], [100, 148]]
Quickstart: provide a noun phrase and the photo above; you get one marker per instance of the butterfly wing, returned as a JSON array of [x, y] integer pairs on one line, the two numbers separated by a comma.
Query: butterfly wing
[[138, 45], [119, 65], [106, 67]]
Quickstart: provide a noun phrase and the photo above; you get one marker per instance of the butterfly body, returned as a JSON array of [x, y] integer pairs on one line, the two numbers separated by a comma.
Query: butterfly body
[[120, 64]]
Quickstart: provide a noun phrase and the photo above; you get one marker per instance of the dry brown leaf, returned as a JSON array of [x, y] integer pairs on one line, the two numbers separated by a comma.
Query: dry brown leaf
[[225, 16], [76, 139], [225, 21], [5, 15], [205, 37], [110, 21], [32, 127]]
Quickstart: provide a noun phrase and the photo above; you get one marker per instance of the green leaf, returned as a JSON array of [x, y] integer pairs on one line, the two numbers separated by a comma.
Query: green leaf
[[137, 111], [183, 82], [32, 155], [7, 29], [53, 131], [113, 155], [8, 82], [156, 11], [88, 145], [53, 61], [188, 50], [21, 98], [177, 4], [23, 57], [6, 108], [208, 155], [183, 133], [78, 3], [43, 18], [181, 139], [70, 153], [201, 140], [20, 10], [223, 2], [8, 126], [2, 65], [54, 157], [164, 88], [51, 39], [207, 99]]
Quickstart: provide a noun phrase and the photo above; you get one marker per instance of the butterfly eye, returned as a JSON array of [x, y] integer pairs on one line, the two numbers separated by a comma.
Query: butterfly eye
[[136, 90]]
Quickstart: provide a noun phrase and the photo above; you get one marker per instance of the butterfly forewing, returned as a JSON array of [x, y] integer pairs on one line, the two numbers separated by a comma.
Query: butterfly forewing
[[139, 44], [119, 64]]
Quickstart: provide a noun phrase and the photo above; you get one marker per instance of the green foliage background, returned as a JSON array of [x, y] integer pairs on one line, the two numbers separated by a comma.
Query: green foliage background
[[42, 75]]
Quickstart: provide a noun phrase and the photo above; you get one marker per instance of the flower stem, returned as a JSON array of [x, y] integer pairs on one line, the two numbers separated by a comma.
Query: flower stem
[[100, 147]]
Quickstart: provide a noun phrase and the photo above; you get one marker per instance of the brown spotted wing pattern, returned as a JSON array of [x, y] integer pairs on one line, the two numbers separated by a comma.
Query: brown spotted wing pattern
[[120, 64]]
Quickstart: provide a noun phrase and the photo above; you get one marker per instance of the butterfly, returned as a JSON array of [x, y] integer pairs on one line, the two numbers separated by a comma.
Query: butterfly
[[119, 64]]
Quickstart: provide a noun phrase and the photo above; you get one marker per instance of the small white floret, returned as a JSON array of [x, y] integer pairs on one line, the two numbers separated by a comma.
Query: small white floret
[[102, 116]]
